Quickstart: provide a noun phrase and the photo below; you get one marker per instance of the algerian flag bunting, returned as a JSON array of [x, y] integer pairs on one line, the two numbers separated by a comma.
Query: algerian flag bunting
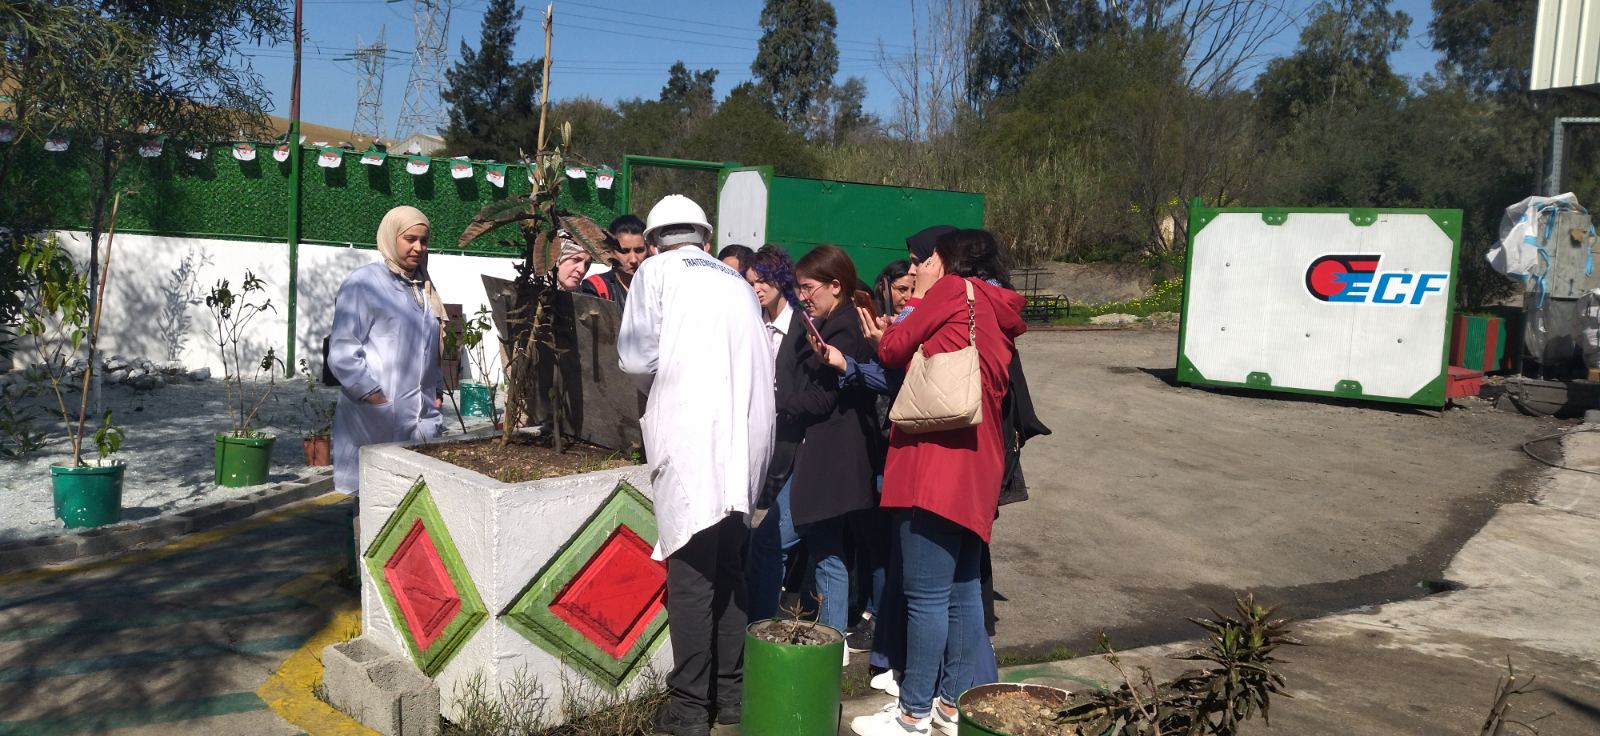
[[495, 174], [151, 147], [417, 165], [460, 168], [8, 132], [197, 153], [373, 157], [56, 143], [244, 151], [330, 158], [576, 172], [604, 178], [281, 153]]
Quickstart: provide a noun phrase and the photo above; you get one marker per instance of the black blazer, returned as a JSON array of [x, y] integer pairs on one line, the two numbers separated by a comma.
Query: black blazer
[[789, 378], [834, 470]]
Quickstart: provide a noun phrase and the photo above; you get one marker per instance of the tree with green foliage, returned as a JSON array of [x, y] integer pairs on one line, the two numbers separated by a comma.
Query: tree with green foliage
[[1011, 38], [173, 68], [796, 57], [1343, 59], [493, 99], [691, 94]]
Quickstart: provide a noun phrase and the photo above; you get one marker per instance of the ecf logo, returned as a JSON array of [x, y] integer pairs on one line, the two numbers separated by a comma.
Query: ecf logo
[[1357, 280]]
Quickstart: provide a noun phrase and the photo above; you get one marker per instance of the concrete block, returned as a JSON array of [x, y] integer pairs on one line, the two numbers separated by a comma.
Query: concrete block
[[381, 689], [38, 554]]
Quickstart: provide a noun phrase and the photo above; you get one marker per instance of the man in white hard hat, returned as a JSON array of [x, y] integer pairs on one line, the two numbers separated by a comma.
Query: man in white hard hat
[[693, 338]]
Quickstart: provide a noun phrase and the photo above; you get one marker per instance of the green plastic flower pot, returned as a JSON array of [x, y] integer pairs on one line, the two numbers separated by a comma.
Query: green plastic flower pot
[[1051, 697], [88, 496], [792, 689], [476, 401], [243, 461]]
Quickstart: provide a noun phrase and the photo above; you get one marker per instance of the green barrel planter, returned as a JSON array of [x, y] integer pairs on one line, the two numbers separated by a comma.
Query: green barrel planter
[[1053, 696], [791, 689], [243, 461], [88, 496], [476, 401]]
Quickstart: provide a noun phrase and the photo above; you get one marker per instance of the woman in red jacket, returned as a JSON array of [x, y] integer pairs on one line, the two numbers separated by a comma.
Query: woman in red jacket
[[944, 486]]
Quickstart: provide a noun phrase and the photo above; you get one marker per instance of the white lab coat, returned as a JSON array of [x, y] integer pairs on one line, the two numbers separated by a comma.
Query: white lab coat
[[381, 339], [693, 338]]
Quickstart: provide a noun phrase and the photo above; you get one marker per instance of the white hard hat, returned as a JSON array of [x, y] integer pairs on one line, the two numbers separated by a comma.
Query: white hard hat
[[675, 209]]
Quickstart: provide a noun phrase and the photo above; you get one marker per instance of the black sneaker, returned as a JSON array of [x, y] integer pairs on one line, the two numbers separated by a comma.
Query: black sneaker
[[666, 725], [859, 637], [727, 715]]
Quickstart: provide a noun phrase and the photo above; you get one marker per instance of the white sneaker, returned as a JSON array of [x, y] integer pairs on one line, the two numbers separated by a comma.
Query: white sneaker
[[887, 722], [886, 682], [948, 724], [847, 656]]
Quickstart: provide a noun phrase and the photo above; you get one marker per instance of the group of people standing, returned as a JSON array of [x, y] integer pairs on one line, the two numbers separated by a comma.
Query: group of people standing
[[769, 384]]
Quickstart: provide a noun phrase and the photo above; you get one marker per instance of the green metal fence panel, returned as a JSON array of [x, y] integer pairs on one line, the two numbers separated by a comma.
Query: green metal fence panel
[[870, 221], [221, 197]]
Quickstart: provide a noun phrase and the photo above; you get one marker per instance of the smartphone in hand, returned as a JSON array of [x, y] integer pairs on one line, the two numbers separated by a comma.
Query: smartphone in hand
[[863, 300], [811, 327]]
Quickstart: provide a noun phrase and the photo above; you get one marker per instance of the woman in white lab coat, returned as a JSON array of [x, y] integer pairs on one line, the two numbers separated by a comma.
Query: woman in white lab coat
[[384, 348]]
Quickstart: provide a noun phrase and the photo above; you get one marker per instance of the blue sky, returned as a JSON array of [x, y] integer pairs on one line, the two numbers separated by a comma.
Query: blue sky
[[618, 49]]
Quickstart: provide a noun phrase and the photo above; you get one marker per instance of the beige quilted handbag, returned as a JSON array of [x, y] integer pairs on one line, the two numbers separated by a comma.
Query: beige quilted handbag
[[942, 392]]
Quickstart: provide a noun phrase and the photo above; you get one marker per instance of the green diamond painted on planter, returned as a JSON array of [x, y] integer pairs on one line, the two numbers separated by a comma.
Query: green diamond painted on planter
[[598, 604], [424, 583]]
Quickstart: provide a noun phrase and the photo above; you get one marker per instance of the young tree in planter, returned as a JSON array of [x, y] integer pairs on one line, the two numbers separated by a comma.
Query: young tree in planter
[[317, 409], [243, 454], [530, 316], [59, 319]]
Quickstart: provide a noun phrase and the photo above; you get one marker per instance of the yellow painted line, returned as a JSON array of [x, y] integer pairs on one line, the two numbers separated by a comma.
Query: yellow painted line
[[291, 691], [184, 544]]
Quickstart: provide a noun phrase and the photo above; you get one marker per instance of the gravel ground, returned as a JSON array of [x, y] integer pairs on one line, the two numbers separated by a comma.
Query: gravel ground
[[168, 450]]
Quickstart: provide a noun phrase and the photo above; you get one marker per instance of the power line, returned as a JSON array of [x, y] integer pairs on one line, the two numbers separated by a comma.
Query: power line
[[369, 88], [422, 110]]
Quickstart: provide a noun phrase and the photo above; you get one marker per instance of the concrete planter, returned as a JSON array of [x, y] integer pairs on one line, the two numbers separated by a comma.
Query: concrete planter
[[465, 575]]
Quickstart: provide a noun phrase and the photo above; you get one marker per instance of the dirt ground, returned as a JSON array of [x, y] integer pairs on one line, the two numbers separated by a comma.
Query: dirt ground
[[1151, 501]]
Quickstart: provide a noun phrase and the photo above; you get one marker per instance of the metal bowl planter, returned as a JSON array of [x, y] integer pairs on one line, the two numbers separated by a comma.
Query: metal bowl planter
[[1056, 697], [792, 689], [88, 496], [243, 461]]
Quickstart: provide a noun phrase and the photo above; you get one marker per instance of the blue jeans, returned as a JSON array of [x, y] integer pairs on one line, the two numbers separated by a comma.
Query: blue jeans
[[944, 608], [825, 542], [769, 555]]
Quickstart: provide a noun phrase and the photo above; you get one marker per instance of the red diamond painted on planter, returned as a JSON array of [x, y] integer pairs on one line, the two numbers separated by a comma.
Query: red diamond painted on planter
[[421, 585], [616, 595]]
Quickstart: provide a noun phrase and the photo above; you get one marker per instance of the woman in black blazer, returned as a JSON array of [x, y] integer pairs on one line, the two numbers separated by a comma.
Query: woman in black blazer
[[834, 468]]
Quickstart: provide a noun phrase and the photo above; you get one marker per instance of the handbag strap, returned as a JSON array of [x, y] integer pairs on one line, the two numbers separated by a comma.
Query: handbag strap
[[972, 321]]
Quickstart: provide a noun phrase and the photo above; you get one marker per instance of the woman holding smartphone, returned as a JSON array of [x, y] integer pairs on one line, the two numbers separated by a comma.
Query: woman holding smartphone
[[838, 459]]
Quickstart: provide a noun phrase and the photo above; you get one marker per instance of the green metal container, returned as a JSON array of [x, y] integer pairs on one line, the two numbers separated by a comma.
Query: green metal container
[[243, 461], [1056, 697], [791, 689], [88, 496], [476, 400]]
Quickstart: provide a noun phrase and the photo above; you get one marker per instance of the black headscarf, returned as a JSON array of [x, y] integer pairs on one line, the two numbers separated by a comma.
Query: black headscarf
[[921, 244]]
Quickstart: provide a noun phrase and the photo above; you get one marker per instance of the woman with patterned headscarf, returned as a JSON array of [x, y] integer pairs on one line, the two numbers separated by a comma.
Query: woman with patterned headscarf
[[572, 263], [384, 348]]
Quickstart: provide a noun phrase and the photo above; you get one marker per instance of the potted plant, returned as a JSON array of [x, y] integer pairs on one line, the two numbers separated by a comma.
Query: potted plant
[[58, 318], [477, 396], [317, 408], [243, 454], [792, 670], [1237, 685]]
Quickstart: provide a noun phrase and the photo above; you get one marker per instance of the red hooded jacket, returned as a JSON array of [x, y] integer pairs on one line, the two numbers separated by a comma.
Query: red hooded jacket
[[955, 474]]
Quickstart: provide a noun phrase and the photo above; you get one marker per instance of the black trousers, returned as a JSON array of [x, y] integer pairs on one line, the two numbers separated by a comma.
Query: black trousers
[[706, 620]]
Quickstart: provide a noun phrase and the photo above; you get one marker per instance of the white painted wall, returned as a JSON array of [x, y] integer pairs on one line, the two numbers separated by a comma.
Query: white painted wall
[[155, 305]]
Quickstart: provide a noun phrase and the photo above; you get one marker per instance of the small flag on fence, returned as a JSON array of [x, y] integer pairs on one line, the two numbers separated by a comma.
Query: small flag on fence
[[495, 174], [576, 172], [460, 168], [330, 158], [373, 157], [244, 151], [604, 178], [56, 143], [417, 165], [197, 153], [281, 153], [8, 132], [151, 147]]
